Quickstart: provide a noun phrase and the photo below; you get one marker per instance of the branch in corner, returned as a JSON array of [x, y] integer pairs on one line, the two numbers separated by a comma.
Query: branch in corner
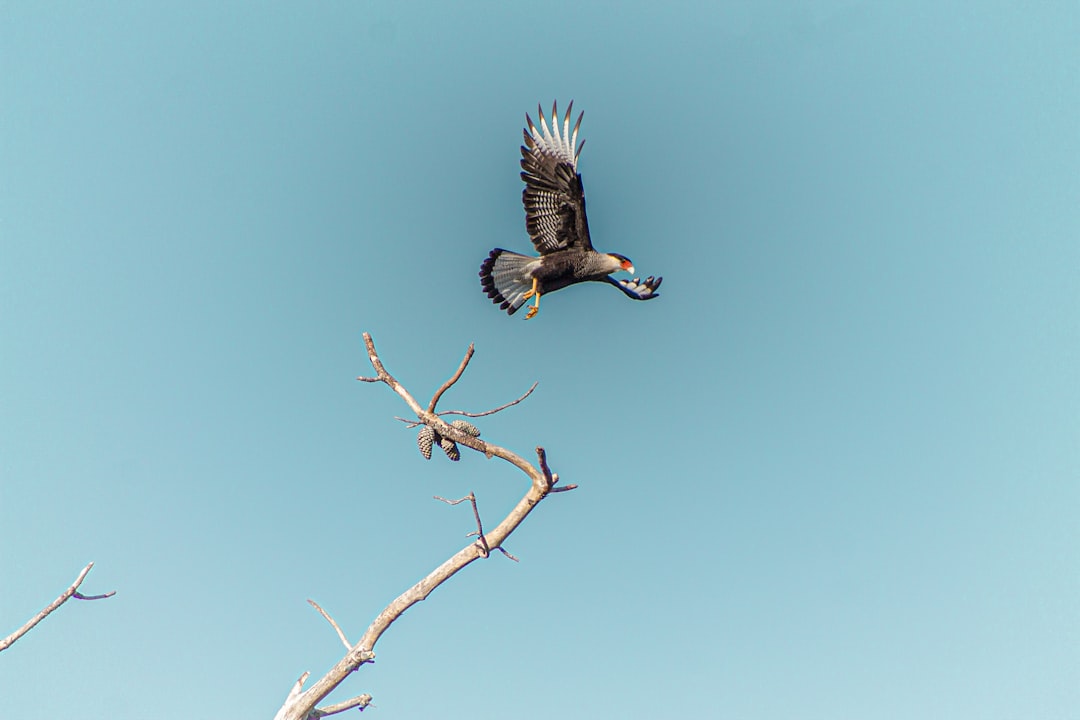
[[71, 592]]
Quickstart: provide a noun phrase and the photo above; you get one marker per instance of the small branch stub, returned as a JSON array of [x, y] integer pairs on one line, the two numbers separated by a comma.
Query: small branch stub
[[359, 702]]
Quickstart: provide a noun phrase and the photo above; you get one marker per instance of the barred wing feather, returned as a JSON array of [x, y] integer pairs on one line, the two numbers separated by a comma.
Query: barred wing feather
[[554, 196]]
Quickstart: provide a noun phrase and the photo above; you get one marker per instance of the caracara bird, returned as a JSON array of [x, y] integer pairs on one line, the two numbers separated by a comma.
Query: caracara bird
[[554, 201]]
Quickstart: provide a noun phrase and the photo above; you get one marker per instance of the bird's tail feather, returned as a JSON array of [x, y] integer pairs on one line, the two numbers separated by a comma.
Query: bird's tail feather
[[505, 278]]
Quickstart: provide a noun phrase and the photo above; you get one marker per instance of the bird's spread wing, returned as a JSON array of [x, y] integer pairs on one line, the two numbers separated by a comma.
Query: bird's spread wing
[[554, 197], [638, 289]]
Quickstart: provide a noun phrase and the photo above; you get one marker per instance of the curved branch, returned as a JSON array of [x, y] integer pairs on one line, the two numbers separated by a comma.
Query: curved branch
[[330, 620], [71, 592], [492, 412], [457, 376], [301, 705]]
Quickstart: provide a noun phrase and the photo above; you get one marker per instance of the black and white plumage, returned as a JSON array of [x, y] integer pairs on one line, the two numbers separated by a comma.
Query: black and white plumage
[[554, 200]]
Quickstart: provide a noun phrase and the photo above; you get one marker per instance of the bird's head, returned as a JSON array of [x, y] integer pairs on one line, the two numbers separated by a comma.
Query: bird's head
[[622, 262]]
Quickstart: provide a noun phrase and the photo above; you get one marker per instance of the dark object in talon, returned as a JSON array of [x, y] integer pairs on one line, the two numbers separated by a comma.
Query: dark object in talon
[[554, 199]]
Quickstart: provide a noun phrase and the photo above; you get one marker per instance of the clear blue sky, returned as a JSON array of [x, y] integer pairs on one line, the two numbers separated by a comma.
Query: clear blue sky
[[833, 472]]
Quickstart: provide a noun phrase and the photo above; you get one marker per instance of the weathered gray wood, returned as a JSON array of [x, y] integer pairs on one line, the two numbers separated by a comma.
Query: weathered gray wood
[[301, 704]]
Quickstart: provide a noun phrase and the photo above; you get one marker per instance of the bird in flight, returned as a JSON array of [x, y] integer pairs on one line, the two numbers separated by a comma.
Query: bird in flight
[[554, 201]]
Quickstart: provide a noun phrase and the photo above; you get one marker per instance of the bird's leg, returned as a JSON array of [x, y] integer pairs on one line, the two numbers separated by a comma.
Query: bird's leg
[[536, 303]]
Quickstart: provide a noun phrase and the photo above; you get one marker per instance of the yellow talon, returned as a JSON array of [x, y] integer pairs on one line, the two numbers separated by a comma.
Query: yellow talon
[[536, 303]]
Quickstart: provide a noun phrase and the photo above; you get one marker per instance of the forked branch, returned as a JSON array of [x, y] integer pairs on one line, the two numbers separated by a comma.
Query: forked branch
[[413, 423], [300, 704], [71, 592], [481, 539], [493, 410]]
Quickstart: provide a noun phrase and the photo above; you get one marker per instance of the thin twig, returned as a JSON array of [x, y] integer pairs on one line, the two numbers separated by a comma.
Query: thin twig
[[503, 551], [563, 488], [451, 502], [457, 375], [479, 532], [416, 423], [481, 538], [80, 596], [71, 592], [330, 620], [491, 412]]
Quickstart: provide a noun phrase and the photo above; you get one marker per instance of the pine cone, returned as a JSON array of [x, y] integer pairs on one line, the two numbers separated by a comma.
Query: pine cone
[[424, 440], [466, 427], [450, 448]]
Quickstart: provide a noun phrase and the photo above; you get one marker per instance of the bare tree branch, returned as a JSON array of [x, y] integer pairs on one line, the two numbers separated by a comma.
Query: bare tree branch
[[492, 412], [292, 697], [440, 498], [71, 592], [415, 423], [541, 457], [80, 596], [479, 531], [331, 621], [300, 705], [457, 376], [360, 701]]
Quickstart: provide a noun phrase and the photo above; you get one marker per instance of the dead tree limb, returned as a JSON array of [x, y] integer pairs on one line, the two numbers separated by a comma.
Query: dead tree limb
[[330, 620], [479, 531], [493, 410], [360, 701], [456, 376], [413, 423], [301, 704], [71, 592]]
